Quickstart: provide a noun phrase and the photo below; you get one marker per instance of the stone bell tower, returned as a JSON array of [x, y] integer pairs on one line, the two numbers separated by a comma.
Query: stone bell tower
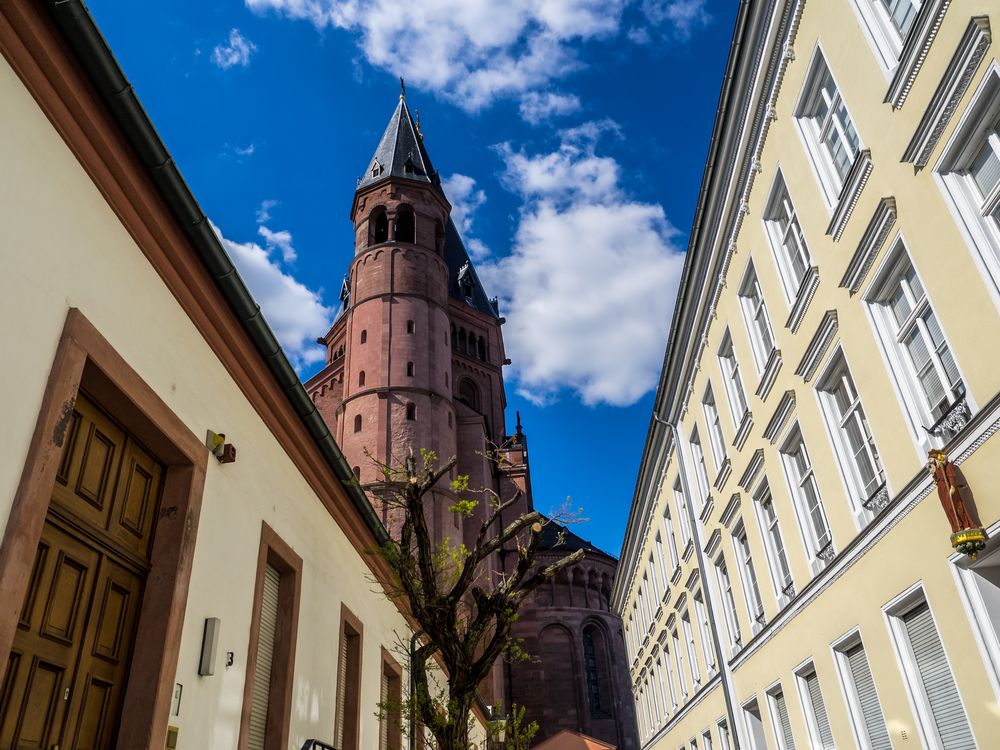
[[387, 386]]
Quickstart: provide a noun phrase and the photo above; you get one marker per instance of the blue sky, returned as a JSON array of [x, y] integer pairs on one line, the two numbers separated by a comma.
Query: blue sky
[[571, 137]]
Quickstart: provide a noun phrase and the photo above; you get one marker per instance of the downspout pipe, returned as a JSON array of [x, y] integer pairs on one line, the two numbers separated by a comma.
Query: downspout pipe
[[720, 659], [80, 31]]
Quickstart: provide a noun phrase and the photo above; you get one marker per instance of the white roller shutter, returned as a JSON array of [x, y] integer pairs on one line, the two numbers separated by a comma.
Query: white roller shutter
[[261, 691], [937, 681], [819, 712], [781, 708], [341, 690], [384, 723], [864, 687]]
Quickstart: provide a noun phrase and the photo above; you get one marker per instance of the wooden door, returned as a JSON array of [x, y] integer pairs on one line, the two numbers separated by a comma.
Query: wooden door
[[69, 664]]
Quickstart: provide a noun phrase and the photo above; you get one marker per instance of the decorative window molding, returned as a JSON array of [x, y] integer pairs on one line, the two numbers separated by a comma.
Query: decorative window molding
[[818, 346], [968, 174], [743, 431], [774, 543], [752, 469], [707, 508], [958, 75], [692, 581], [732, 381], [887, 24], [872, 241], [784, 410], [712, 545], [807, 290], [757, 321], [720, 480], [915, 48], [850, 194], [769, 375], [730, 511], [804, 490], [748, 576], [788, 243]]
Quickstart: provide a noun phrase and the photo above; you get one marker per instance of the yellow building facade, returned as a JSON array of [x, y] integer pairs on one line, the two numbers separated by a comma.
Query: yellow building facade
[[788, 578]]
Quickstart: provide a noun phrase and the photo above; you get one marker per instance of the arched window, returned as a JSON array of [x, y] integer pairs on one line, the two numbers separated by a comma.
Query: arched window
[[361, 379], [357, 472], [357, 423], [364, 337], [409, 369], [378, 226], [405, 226], [410, 327], [595, 668], [411, 412], [468, 394], [439, 235], [454, 338], [462, 340], [481, 348]]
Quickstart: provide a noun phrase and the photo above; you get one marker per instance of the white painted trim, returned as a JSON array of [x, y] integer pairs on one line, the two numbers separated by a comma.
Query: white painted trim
[[848, 690], [881, 36]]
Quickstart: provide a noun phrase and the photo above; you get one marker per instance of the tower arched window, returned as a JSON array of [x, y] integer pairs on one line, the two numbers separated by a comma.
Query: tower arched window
[[410, 326], [454, 338], [357, 423], [364, 337], [468, 394], [481, 348], [378, 226], [411, 412], [595, 667], [439, 236], [405, 225], [463, 339], [357, 472], [409, 369], [361, 379]]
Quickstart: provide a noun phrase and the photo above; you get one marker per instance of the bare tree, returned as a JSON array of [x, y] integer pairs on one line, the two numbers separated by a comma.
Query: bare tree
[[463, 604]]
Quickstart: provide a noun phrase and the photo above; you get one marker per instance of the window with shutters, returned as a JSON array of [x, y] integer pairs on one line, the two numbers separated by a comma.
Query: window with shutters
[[817, 721], [267, 692], [862, 699], [780, 722], [929, 678], [914, 342], [390, 704], [346, 732], [852, 438]]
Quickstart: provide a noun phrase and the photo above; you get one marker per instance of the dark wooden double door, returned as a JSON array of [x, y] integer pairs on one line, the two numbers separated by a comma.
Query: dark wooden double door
[[67, 670]]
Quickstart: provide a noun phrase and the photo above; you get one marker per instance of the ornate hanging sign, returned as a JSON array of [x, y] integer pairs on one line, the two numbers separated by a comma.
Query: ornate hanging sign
[[968, 535]]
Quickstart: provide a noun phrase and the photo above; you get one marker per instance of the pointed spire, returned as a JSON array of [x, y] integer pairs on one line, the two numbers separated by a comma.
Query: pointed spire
[[401, 151]]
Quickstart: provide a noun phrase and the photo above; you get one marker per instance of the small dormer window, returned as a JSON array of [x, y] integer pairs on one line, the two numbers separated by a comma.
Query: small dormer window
[[465, 279], [376, 168], [408, 167]]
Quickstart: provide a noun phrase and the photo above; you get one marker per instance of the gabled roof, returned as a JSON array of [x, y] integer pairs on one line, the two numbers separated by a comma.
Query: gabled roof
[[570, 740], [400, 153]]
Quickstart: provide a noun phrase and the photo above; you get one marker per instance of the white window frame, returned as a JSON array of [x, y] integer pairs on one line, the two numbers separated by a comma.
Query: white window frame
[[661, 562], [977, 218], [661, 682], [768, 528], [756, 318], [771, 694], [910, 395], [802, 672], [813, 133], [700, 466], [748, 577], [668, 525], [714, 422], [692, 648], [849, 692], [675, 642], [754, 741], [708, 646], [883, 36], [980, 613], [680, 500], [779, 207], [836, 368], [670, 672], [728, 603], [893, 612], [814, 545], [722, 728], [736, 394]]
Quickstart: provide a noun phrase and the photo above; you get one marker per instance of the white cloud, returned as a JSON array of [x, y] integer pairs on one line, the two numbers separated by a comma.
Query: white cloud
[[465, 199], [537, 107], [470, 52], [264, 212], [589, 286], [236, 51], [295, 313], [281, 240], [683, 17]]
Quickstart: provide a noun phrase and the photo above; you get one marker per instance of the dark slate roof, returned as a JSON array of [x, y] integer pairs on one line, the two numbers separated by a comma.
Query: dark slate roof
[[400, 153], [471, 291], [570, 542]]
